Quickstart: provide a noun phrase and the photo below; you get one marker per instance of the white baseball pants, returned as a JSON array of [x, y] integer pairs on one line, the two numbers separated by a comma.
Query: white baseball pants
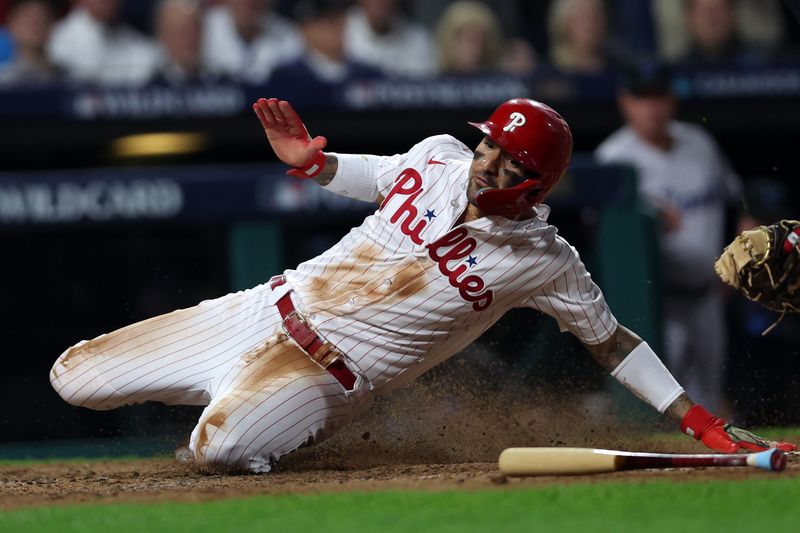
[[264, 395]]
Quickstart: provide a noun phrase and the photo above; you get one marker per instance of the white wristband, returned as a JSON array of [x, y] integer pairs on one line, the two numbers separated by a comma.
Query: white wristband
[[643, 373], [356, 176]]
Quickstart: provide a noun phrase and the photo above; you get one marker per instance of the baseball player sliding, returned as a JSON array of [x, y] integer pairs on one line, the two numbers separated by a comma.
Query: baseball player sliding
[[458, 238]]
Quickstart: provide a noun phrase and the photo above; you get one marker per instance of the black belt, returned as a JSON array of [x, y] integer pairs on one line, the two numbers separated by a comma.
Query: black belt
[[321, 352]]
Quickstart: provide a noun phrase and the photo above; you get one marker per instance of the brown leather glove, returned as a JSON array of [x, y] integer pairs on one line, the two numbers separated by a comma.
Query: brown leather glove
[[764, 265]]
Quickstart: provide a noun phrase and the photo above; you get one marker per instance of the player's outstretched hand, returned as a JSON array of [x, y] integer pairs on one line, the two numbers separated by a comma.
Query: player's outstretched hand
[[718, 435], [288, 135]]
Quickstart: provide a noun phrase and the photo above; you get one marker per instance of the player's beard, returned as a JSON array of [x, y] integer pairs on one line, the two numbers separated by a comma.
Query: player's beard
[[474, 188]]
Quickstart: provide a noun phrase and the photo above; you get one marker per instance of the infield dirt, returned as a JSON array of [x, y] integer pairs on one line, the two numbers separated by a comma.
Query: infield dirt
[[433, 436]]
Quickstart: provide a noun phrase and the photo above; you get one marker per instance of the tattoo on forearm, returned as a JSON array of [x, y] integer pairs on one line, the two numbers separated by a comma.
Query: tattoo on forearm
[[679, 407], [612, 352], [327, 174]]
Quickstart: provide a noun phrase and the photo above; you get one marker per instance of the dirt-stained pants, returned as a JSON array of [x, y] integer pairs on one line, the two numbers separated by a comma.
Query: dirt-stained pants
[[264, 396]]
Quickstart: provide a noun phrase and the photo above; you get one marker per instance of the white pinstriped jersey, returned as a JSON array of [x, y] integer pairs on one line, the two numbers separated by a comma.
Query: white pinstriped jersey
[[407, 289]]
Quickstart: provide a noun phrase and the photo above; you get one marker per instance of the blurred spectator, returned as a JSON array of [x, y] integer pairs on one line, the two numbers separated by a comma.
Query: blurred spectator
[[687, 180], [29, 24], [322, 26], [712, 34], [508, 12], [379, 34], [245, 40], [178, 29], [579, 37], [471, 41], [758, 24], [92, 46], [712, 30]]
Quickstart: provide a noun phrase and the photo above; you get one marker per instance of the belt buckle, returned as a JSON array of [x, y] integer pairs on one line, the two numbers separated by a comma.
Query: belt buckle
[[325, 356]]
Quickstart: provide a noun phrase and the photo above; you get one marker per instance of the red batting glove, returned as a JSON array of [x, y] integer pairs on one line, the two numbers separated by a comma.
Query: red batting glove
[[312, 169], [289, 137], [702, 425], [718, 435]]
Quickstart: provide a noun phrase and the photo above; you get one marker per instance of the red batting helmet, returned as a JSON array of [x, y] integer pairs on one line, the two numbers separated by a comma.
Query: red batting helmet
[[536, 136]]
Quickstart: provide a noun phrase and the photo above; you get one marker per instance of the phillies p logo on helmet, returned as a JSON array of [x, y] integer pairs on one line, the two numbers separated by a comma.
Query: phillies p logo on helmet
[[515, 120]]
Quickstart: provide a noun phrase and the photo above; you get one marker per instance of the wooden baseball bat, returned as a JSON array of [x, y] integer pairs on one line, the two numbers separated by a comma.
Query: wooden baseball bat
[[576, 461]]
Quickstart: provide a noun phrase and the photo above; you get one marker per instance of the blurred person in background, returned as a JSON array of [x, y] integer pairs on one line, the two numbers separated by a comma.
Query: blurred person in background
[[686, 179], [93, 46], [245, 40], [178, 26], [579, 37], [759, 24], [324, 59], [471, 41], [29, 24], [508, 12], [713, 35], [378, 33]]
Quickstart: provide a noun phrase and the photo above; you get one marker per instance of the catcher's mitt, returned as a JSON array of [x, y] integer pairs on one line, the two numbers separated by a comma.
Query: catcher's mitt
[[764, 265]]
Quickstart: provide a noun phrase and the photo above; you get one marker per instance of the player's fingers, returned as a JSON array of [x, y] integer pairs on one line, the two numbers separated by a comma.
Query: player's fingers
[[296, 126], [260, 114], [274, 106], [269, 118]]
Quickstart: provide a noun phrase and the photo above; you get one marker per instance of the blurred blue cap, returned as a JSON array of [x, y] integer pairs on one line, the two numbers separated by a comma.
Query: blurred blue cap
[[306, 10], [647, 78]]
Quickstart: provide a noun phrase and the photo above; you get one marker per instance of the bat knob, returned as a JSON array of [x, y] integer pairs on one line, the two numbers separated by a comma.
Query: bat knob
[[777, 460], [772, 459]]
